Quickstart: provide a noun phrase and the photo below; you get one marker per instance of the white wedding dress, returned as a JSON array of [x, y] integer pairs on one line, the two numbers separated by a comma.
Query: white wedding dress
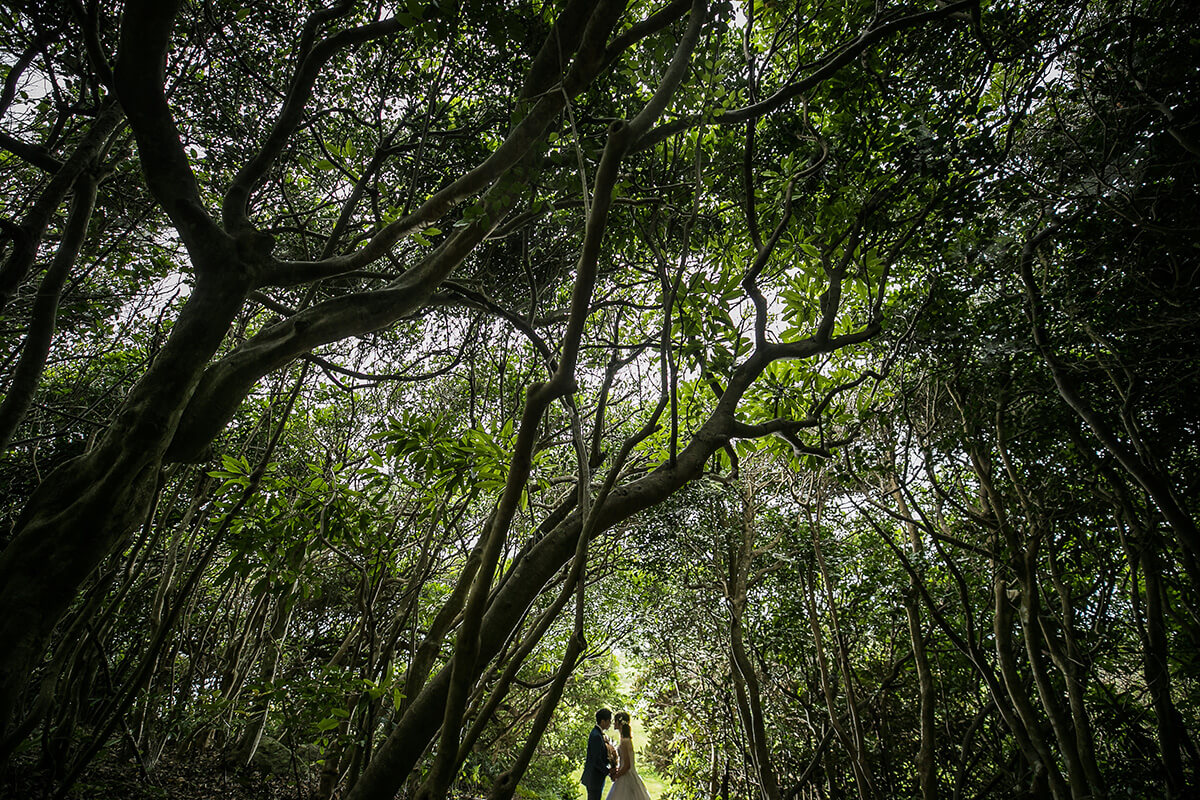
[[629, 786]]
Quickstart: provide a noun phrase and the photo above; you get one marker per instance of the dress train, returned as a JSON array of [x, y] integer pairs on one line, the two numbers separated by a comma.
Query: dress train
[[629, 786]]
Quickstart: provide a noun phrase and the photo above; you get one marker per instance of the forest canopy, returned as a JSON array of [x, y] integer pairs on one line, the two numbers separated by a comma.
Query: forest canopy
[[386, 385]]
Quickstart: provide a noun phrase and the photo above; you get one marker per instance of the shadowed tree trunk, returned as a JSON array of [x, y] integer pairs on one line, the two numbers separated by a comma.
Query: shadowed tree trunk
[[926, 762], [1142, 544], [739, 556]]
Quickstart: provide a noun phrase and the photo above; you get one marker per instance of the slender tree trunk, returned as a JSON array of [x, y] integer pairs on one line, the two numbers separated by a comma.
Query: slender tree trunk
[[1172, 731], [506, 784], [829, 690], [1142, 550], [32, 229], [863, 770], [1147, 598], [1074, 665], [282, 615], [36, 348], [1002, 625], [927, 693], [967, 645], [1018, 565], [926, 762], [747, 692], [714, 772], [739, 555], [237, 661], [1048, 693], [968, 739]]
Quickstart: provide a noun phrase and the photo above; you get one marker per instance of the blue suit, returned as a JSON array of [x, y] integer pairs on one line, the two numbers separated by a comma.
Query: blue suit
[[595, 766]]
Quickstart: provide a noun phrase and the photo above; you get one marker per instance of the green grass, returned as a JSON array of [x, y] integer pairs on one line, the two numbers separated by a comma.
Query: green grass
[[654, 784]]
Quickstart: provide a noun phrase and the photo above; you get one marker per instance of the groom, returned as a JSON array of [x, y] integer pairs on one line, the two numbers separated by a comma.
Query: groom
[[601, 756]]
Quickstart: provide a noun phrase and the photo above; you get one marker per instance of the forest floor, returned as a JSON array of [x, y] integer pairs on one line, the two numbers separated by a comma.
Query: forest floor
[[173, 778]]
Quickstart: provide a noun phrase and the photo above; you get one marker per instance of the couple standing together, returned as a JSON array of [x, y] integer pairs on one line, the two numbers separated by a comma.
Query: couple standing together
[[606, 760]]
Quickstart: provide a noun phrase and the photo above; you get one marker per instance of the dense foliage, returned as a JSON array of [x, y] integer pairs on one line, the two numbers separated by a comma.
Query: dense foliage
[[386, 385]]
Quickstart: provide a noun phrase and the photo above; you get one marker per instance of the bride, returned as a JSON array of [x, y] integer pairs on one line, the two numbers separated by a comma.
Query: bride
[[626, 783]]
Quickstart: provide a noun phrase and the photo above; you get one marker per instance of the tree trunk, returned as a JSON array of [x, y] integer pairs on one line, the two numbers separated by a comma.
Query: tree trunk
[[1074, 664], [739, 554], [1048, 693], [829, 691], [1019, 565], [86, 507], [858, 754], [86, 155], [1002, 624], [926, 762], [36, 348], [284, 604]]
